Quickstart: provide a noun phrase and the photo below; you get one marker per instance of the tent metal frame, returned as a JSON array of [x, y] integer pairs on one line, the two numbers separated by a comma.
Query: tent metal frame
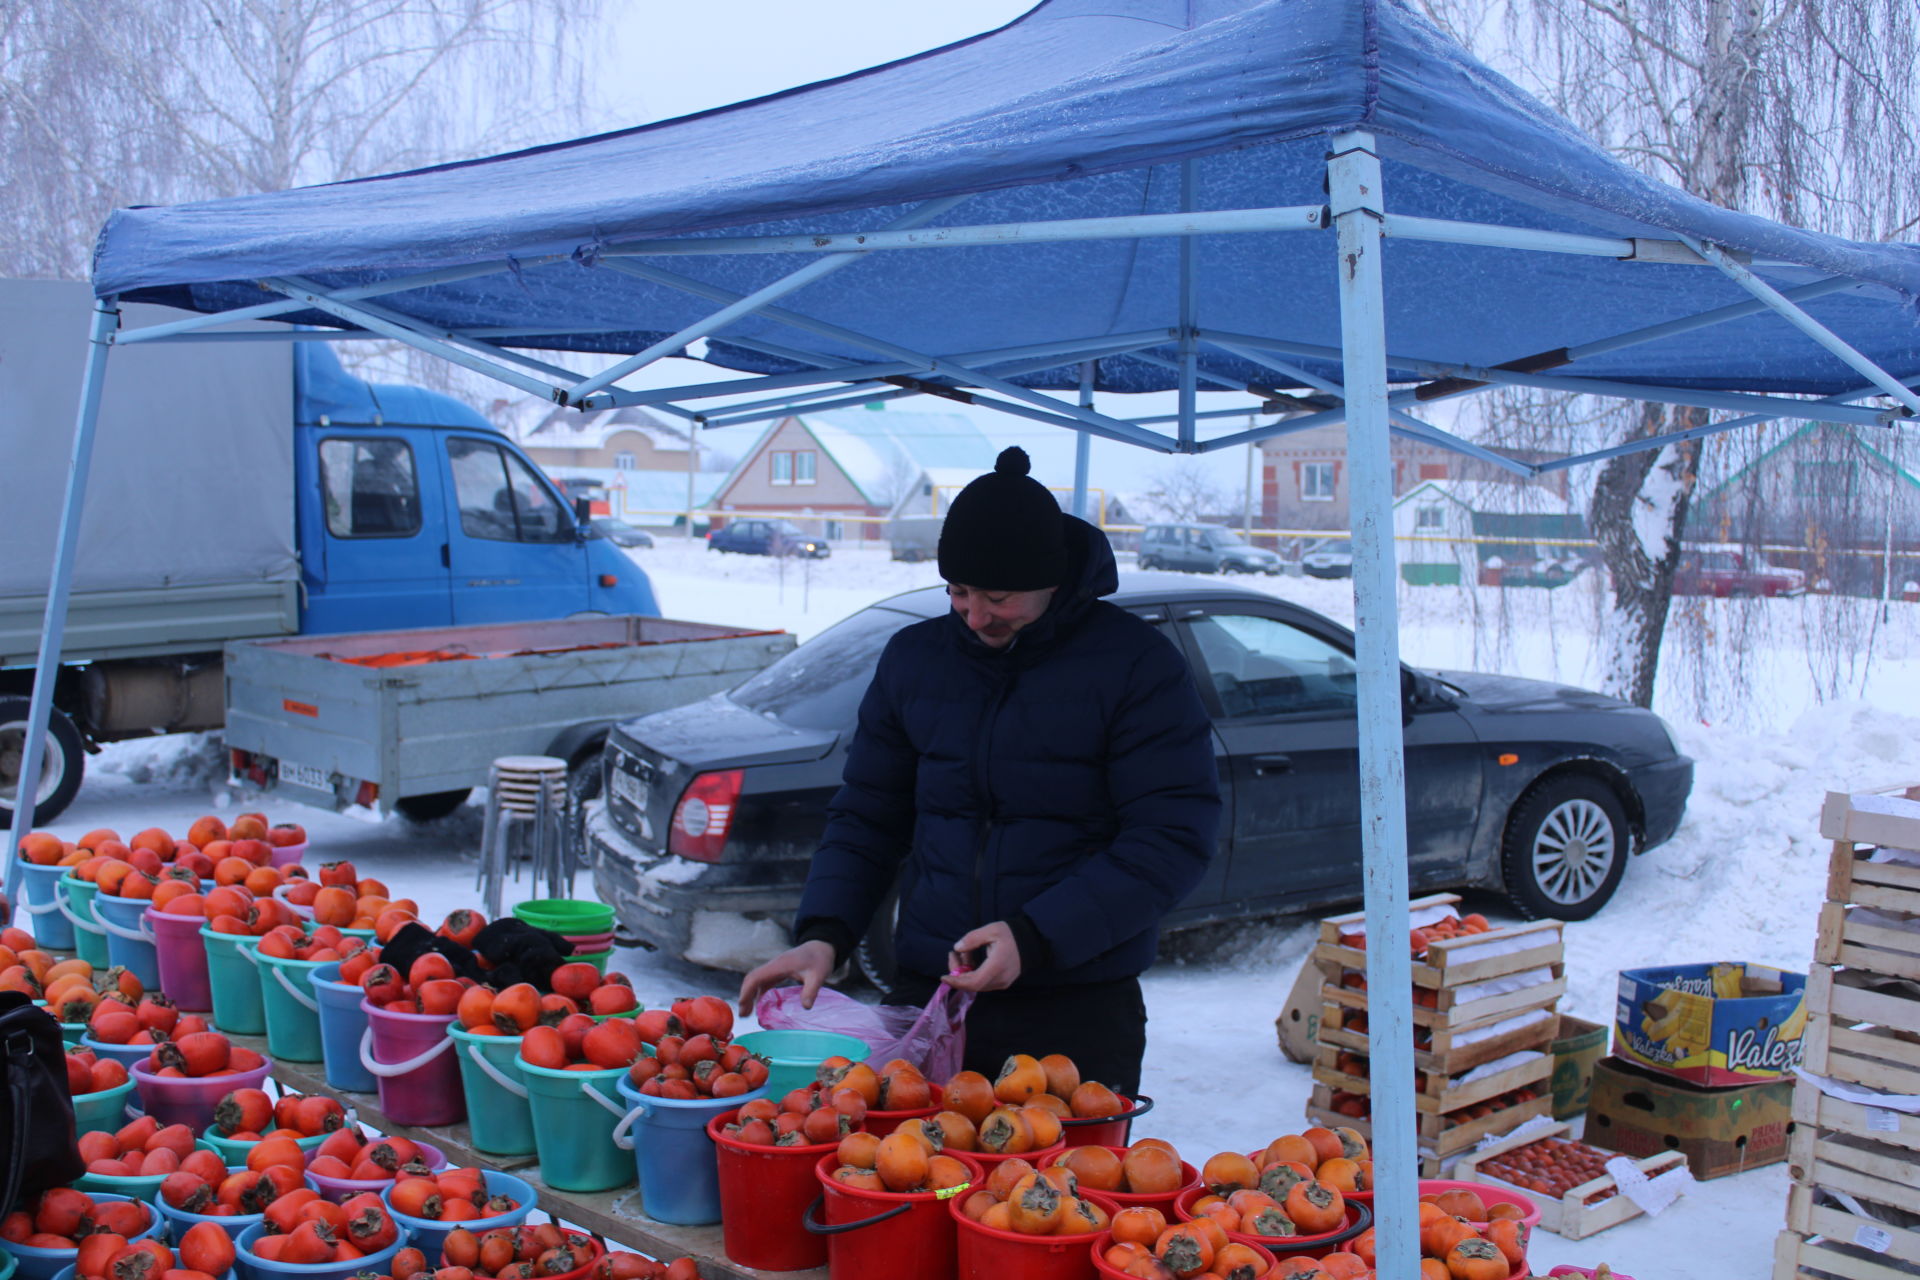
[[1366, 403]]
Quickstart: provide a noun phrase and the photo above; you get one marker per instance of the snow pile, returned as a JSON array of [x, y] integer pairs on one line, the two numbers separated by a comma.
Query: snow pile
[[184, 759]]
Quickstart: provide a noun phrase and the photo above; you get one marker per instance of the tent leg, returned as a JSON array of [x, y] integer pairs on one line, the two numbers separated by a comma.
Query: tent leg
[[1082, 444], [106, 318], [1354, 181]]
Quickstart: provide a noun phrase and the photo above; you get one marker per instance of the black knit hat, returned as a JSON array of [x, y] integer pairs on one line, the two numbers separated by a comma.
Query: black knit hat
[[1005, 532]]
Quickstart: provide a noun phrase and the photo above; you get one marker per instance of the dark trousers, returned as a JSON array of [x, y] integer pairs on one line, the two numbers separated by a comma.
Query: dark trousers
[[1102, 1026]]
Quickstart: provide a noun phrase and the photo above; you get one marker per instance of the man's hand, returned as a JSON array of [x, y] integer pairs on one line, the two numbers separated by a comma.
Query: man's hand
[[999, 964], [808, 964]]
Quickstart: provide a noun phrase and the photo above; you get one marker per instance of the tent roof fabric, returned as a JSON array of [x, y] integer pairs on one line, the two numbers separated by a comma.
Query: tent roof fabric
[[1080, 108]]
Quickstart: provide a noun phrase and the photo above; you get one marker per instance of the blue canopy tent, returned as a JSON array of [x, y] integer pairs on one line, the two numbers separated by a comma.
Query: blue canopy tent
[[1263, 196]]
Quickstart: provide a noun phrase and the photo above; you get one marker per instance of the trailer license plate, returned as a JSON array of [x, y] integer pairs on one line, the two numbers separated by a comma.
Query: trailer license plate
[[630, 789], [305, 775]]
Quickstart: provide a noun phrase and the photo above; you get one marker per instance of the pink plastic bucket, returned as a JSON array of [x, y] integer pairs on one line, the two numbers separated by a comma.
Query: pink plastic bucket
[[412, 1056], [182, 958], [287, 854], [187, 1100]]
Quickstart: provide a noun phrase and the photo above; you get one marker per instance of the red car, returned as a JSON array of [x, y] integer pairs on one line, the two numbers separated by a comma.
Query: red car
[[1731, 572]]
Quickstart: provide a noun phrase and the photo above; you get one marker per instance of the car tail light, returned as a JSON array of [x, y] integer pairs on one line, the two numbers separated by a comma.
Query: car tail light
[[703, 816]]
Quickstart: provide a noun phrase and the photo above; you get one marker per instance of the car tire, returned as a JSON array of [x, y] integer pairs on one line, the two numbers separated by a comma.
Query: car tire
[[1566, 848], [63, 758], [583, 784], [874, 953], [432, 806], [1148, 562]]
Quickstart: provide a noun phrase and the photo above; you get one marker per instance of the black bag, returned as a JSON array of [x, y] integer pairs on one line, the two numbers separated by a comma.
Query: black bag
[[38, 1150]]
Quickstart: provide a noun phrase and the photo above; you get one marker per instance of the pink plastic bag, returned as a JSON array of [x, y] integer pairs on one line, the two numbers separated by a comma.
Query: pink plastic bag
[[933, 1039]]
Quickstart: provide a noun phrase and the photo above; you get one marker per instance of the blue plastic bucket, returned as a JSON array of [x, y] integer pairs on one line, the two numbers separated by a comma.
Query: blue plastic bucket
[[292, 1008], [342, 1023], [40, 899], [44, 1264], [237, 1009], [499, 1121], [127, 1055], [76, 904], [574, 1114], [796, 1055], [429, 1235], [129, 941], [179, 1221], [678, 1166], [253, 1267]]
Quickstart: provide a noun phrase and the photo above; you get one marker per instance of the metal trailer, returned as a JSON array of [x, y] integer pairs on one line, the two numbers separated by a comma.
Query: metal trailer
[[310, 718]]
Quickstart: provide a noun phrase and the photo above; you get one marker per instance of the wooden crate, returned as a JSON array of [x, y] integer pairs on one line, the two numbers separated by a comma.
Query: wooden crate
[[1444, 1051], [1570, 1217], [1436, 1093], [1815, 1111], [1891, 1243], [1864, 1028], [1796, 1257], [1436, 1135], [1889, 817], [1465, 1014], [1848, 938], [1449, 962]]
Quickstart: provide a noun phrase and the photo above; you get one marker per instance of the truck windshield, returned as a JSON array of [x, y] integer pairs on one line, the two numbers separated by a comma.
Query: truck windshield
[[819, 685]]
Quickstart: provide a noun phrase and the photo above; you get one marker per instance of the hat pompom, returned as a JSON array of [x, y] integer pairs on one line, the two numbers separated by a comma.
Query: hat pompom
[[1013, 461]]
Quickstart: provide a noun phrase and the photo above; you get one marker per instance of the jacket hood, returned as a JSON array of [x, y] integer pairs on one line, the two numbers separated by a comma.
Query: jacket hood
[[1092, 573]]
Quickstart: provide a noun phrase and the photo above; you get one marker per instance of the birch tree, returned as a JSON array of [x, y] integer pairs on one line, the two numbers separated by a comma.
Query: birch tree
[[1800, 110]]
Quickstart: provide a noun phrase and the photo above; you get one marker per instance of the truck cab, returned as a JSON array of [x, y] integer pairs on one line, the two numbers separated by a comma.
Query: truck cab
[[413, 511]]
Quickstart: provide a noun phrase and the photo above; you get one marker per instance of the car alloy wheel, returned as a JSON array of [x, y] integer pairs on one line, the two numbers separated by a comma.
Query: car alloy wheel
[[1566, 848]]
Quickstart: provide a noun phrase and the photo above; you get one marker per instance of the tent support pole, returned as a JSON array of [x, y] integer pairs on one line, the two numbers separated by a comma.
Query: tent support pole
[[1082, 444], [1189, 319], [53, 624], [791, 282], [1353, 171], [1805, 323], [1111, 427]]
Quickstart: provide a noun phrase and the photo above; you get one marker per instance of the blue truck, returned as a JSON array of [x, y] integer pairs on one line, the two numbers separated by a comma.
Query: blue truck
[[253, 491]]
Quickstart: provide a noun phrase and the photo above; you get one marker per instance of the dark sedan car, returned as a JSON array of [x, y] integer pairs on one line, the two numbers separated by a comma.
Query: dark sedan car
[[767, 538], [710, 812], [620, 533]]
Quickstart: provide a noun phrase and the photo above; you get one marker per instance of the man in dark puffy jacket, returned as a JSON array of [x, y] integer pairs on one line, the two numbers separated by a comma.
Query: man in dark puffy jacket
[[1037, 769]]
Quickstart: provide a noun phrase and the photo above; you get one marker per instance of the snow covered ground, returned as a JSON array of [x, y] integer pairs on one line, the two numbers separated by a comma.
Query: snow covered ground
[[1741, 880]]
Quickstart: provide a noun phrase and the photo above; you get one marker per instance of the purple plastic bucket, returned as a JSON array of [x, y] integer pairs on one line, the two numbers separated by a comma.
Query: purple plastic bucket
[[187, 1100], [182, 957], [413, 1057], [341, 1190], [285, 855]]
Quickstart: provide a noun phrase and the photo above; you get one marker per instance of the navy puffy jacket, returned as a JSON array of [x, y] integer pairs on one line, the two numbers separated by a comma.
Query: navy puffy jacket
[[1068, 778]]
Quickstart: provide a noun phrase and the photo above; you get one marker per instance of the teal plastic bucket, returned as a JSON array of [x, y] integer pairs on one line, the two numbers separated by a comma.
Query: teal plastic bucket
[[69, 1031], [235, 982], [429, 1235], [235, 1153], [678, 1166], [40, 899], [129, 941], [566, 915], [574, 1114], [499, 1119], [342, 1023], [76, 904], [292, 1009], [796, 1055], [105, 1111]]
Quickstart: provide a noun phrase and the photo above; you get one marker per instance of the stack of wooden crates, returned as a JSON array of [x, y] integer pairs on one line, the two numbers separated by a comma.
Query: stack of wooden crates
[[1854, 1207], [1479, 998]]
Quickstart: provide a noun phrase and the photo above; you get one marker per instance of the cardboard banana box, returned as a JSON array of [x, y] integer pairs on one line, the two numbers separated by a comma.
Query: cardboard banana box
[[1712, 1024]]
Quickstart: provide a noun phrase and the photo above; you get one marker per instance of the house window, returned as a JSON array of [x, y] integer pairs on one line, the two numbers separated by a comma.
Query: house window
[[803, 464], [1429, 518], [623, 460], [1316, 481], [782, 468], [1823, 479]]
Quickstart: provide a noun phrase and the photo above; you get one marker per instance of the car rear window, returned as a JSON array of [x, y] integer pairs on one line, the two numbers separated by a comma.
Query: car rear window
[[819, 685]]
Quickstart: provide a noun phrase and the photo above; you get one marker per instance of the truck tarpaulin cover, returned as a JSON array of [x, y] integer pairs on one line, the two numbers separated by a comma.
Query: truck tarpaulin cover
[[192, 475], [1080, 108]]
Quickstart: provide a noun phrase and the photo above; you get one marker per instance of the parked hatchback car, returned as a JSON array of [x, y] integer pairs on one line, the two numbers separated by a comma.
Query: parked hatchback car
[[1733, 572], [711, 812], [767, 538], [1328, 558], [1203, 548]]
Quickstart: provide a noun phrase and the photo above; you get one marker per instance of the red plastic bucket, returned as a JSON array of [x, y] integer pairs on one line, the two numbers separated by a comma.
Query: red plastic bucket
[[1359, 1218], [882, 1123], [877, 1233], [1161, 1200], [1489, 1194], [764, 1194], [1104, 1241], [989, 1161], [182, 958], [988, 1253], [412, 1056], [1107, 1131]]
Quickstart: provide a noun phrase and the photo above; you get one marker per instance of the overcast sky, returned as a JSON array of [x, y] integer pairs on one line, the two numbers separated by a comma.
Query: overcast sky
[[666, 60]]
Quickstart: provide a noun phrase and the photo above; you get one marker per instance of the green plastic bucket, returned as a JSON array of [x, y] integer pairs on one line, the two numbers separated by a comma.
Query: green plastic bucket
[[566, 915], [598, 959], [237, 1009], [796, 1055], [76, 904], [292, 1010], [102, 1111], [574, 1114], [498, 1115], [234, 1154]]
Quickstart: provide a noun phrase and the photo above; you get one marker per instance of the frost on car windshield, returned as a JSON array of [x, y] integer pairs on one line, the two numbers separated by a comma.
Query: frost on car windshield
[[819, 685]]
